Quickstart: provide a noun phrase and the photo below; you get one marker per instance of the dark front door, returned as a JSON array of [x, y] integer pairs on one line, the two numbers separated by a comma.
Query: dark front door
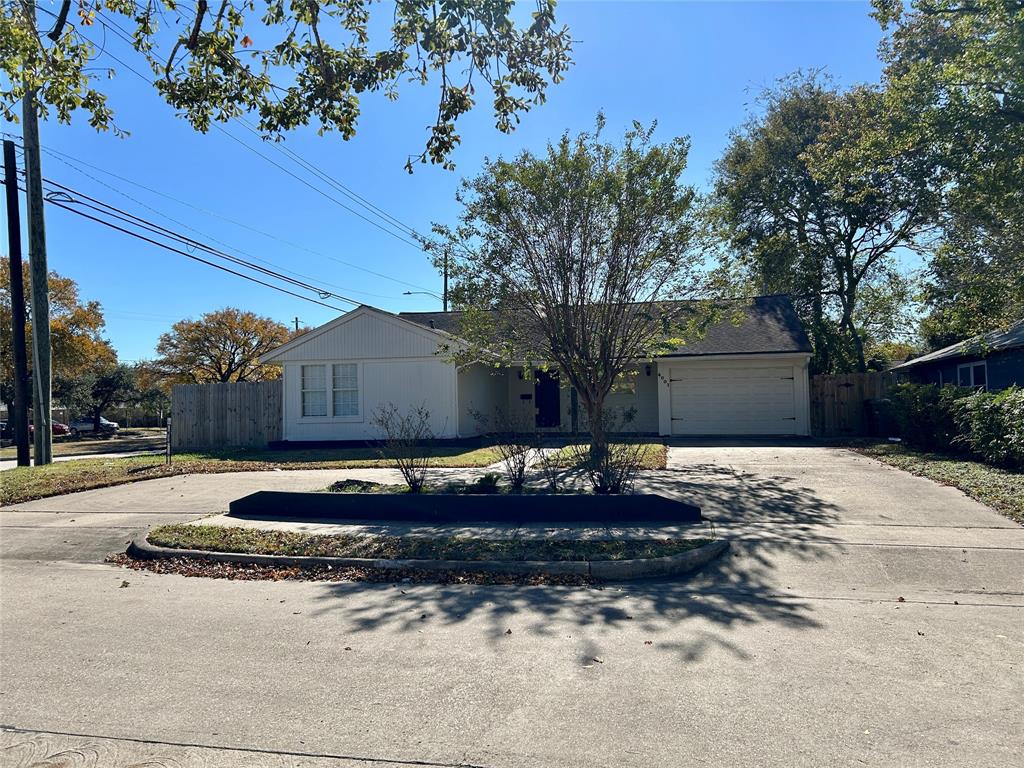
[[547, 397]]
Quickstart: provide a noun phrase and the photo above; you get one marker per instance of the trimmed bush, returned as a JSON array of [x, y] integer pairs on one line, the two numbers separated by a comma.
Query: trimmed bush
[[992, 426], [926, 415]]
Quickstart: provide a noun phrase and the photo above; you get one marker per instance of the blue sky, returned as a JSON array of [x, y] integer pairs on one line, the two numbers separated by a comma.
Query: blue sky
[[694, 67]]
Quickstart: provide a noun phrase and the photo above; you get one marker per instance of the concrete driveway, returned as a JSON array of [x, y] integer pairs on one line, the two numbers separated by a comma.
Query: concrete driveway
[[795, 651]]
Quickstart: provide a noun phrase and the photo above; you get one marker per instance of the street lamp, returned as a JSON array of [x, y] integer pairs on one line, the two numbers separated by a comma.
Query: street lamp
[[443, 299]]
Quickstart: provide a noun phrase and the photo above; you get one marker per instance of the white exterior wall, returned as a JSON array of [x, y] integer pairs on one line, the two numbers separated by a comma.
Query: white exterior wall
[[481, 389], [644, 400], [406, 383], [397, 363]]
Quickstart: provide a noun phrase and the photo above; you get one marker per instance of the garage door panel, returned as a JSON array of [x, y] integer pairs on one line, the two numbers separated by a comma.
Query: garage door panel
[[732, 400]]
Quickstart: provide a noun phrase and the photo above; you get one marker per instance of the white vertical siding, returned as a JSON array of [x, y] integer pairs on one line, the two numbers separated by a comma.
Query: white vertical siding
[[362, 334], [406, 383]]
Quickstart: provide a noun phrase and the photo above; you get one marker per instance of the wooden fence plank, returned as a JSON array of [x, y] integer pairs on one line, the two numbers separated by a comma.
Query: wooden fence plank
[[233, 415], [839, 403]]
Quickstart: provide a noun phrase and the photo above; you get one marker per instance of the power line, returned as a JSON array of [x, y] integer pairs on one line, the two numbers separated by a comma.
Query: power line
[[156, 229], [193, 229], [74, 162], [315, 188], [298, 159], [186, 254], [351, 194]]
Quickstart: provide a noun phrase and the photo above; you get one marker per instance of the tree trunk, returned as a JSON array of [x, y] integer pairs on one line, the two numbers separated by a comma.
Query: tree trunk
[[598, 429]]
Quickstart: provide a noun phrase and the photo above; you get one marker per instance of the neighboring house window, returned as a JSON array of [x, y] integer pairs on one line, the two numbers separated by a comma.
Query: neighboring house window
[[972, 375], [346, 389], [314, 390]]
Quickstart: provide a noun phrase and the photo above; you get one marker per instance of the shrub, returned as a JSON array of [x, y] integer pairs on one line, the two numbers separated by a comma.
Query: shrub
[[406, 441], [613, 467], [513, 440], [925, 415], [992, 426]]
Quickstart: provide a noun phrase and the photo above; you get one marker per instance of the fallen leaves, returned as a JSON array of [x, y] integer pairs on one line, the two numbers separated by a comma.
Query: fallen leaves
[[194, 568]]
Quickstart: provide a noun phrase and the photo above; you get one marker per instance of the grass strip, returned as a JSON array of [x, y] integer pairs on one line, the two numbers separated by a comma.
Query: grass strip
[[254, 541], [28, 483]]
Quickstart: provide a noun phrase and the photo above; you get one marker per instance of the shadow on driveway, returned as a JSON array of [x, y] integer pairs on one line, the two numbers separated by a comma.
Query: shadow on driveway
[[741, 588]]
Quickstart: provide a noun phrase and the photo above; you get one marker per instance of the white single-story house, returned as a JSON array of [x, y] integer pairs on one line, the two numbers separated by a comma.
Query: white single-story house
[[740, 378]]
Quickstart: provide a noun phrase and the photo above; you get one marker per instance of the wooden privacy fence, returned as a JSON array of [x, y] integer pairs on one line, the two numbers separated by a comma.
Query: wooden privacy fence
[[840, 403], [234, 415]]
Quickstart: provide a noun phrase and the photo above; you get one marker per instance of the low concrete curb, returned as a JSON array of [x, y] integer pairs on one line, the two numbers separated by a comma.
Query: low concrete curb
[[611, 570]]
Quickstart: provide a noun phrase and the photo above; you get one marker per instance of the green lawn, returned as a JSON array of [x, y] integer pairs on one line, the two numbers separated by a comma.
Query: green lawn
[[654, 457], [1000, 489], [27, 483], [214, 538]]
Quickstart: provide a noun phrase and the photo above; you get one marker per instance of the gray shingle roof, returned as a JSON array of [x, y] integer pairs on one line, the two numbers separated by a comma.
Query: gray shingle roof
[[995, 341], [768, 324]]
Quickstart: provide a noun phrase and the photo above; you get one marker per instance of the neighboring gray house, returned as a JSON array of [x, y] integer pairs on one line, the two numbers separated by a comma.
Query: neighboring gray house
[[746, 378], [992, 361]]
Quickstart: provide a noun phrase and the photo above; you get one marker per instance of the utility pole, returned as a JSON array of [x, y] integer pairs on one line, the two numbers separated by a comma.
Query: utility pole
[[41, 382], [296, 325], [444, 294], [20, 415]]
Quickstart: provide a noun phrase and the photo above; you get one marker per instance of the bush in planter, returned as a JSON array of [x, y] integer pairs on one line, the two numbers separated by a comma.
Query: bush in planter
[[992, 426], [407, 437], [925, 415]]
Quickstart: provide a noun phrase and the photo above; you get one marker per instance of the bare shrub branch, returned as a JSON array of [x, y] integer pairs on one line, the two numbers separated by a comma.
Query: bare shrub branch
[[407, 439]]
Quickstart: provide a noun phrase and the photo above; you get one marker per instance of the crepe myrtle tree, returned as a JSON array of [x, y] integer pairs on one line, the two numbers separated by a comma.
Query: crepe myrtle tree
[[566, 259], [289, 62]]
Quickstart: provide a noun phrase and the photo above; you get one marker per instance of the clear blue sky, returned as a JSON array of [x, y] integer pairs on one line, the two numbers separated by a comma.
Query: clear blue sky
[[695, 67]]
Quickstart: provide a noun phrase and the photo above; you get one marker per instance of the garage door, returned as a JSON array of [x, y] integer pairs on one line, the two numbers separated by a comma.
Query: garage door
[[733, 400]]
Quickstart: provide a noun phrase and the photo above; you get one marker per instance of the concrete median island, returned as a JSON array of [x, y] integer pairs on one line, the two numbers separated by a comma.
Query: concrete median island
[[613, 559]]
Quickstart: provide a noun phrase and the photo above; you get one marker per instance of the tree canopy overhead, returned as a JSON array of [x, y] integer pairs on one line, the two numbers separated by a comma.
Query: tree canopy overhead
[[955, 70], [291, 63]]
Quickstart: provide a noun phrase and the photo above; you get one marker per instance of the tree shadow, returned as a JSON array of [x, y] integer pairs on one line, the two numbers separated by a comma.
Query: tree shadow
[[770, 519]]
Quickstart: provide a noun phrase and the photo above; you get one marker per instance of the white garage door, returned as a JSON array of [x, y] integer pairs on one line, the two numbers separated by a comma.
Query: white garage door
[[754, 399]]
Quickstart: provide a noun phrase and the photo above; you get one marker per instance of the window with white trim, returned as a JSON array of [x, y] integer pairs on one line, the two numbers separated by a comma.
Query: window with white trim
[[314, 390], [346, 389], [973, 375]]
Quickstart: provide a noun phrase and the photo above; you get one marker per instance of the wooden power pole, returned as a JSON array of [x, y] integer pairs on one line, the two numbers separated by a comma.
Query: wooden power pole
[[444, 294], [41, 382], [20, 415]]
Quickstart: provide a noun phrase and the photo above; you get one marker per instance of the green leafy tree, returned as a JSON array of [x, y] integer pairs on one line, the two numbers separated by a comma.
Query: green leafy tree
[[804, 214], [220, 346], [955, 68], [291, 63], [566, 259], [91, 393]]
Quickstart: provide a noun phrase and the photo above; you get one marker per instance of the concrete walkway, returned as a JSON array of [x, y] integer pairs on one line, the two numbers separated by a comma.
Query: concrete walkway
[[864, 617]]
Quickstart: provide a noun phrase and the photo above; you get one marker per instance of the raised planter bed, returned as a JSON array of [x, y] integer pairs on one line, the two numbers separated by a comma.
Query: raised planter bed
[[466, 508], [613, 570]]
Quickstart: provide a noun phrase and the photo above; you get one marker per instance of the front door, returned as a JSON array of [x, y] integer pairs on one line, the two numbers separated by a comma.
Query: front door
[[547, 395]]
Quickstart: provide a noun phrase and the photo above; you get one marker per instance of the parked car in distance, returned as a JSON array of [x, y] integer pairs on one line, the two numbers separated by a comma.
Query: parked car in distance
[[7, 429], [78, 426]]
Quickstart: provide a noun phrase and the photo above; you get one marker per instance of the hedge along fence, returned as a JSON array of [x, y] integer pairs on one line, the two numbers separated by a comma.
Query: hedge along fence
[[232, 415], [839, 403], [988, 425]]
